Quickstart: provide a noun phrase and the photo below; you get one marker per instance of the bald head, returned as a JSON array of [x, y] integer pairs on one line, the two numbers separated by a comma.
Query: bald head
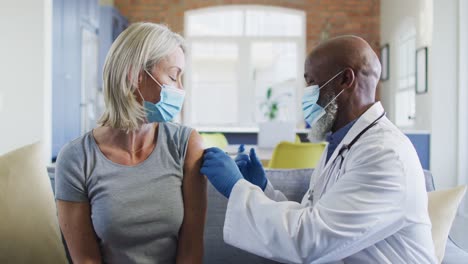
[[339, 53], [356, 68]]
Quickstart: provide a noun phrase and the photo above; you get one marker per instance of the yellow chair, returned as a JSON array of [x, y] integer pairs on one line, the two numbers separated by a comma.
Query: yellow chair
[[298, 139], [289, 155], [214, 140]]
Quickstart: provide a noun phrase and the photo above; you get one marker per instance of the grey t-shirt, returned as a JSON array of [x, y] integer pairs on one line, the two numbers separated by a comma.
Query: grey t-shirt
[[136, 211]]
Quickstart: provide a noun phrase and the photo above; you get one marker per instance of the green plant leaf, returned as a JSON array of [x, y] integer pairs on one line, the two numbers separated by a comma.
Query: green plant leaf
[[274, 106], [269, 92]]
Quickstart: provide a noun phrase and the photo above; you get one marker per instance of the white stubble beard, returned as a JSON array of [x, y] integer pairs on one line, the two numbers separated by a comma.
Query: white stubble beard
[[319, 130]]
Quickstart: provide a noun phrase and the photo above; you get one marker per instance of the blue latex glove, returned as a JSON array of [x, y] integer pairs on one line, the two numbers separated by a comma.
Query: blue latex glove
[[251, 167], [221, 170]]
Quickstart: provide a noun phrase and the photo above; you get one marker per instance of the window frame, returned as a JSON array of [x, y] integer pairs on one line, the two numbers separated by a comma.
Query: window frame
[[246, 93]]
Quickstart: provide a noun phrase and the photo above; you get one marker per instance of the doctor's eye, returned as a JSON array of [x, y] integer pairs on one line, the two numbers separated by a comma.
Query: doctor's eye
[[173, 79]]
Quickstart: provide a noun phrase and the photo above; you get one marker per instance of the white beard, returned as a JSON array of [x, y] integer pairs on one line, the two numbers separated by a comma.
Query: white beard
[[320, 129]]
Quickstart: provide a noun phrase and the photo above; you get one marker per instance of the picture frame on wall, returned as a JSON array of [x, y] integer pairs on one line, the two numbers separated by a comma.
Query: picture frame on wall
[[421, 70], [385, 61]]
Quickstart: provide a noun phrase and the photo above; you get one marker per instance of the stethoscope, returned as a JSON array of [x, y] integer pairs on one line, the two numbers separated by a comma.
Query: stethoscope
[[346, 147]]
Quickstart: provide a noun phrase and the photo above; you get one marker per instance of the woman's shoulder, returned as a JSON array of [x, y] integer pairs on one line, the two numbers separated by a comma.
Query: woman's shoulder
[[77, 147], [176, 138], [175, 126], [176, 131]]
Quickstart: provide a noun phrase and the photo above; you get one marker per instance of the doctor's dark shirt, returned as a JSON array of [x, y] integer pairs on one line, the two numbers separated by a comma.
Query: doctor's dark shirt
[[334, 139]]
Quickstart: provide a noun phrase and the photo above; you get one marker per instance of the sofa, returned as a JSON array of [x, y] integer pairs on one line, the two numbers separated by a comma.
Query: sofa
[[294, 184]]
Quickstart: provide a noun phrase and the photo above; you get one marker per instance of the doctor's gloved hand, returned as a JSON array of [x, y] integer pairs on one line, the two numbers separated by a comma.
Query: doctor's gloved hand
[[251, 167], [221, 170]]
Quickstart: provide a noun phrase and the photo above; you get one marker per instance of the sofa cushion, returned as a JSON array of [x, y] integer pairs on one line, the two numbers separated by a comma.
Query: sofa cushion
[[29, 228], [216, 251], [293, 183], [443, 206]]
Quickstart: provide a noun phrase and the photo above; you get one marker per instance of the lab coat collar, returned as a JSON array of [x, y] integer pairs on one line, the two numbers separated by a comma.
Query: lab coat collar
[[362, 122]]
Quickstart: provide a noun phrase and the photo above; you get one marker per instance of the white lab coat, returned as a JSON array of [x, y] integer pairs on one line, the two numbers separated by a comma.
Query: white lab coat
[[372, 210]]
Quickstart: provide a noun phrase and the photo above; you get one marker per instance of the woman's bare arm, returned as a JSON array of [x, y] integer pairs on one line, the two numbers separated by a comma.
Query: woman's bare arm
[[75, 223], [190, 247]]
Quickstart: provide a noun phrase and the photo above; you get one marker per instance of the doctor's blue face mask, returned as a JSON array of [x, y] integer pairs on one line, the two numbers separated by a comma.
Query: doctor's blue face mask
[[311, 109], [168, 107]]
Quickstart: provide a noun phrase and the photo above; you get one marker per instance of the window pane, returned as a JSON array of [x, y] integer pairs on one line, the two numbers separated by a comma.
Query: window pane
[[272, 23], [274, 64], [211, 50], [214, 89], [216, 23]]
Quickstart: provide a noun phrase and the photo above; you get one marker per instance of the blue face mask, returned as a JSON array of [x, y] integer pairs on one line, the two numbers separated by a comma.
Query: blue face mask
[[168, 107], [313, 111]]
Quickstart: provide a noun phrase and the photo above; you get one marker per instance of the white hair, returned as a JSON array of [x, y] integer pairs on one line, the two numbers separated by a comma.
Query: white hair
[[140, 47]]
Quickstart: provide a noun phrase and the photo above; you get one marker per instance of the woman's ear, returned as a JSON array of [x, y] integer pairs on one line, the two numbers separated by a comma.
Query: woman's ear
[[348, 78], [140, 77], [134, 82]]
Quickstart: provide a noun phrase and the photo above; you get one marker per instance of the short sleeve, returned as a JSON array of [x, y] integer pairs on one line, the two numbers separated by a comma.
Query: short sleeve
[[70, 182], [184, 137]]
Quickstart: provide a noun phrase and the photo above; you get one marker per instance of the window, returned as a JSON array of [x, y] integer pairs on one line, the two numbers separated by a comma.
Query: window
[[234, 54], [406, 96]]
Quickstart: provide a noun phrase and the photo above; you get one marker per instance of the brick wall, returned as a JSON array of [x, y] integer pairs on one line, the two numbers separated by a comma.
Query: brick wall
[[325, 18]]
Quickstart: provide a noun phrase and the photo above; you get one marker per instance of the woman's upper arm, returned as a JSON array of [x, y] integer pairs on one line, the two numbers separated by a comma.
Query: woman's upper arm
[[194, 183], [75, 223], [195, 202]]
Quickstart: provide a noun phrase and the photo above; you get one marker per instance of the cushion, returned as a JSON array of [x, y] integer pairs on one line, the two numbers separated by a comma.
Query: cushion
[[443, 206], [216, 251], [293, 183], [29, 228]]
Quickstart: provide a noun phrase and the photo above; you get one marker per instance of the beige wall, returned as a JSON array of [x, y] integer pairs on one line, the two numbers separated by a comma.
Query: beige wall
[[25, 71], [439, 111], [443, 78], [396, 16]]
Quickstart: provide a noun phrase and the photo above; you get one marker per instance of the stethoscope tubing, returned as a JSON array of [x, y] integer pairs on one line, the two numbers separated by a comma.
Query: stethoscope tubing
[[348, 147], [355, 139]]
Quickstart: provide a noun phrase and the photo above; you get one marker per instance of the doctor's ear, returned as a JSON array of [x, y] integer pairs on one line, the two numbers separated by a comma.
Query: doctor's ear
[[348, 78]]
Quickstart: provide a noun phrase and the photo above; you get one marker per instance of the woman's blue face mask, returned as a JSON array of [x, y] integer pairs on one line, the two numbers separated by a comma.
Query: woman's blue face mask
[[168, 107], [311, 109]]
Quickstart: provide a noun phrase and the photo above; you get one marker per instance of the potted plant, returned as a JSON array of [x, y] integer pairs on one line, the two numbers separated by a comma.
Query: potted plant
[[274, 130], [270, 105]]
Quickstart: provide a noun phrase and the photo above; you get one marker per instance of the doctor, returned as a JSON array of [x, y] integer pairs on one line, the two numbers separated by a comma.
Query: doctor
[[367, 201]]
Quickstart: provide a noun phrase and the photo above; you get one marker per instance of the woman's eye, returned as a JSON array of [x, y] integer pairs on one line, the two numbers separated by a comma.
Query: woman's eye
[[173, 79]]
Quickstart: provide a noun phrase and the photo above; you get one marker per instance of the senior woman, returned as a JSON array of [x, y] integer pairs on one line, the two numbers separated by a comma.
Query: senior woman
[[130, 191]]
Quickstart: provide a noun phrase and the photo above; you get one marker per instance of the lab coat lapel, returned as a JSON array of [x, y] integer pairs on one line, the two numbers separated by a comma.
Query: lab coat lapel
[[363, 121]]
